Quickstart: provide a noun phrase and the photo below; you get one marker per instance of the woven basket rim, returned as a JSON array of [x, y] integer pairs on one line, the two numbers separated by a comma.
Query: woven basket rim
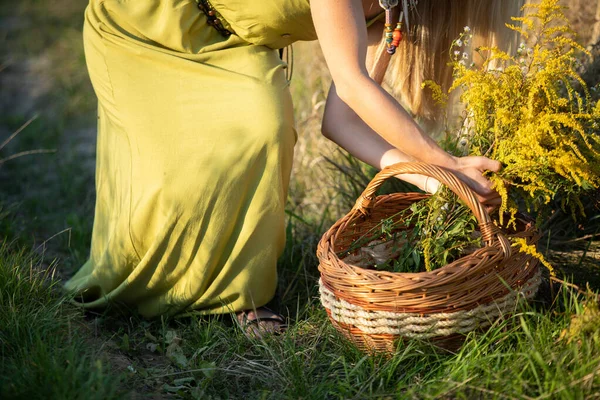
[[329, 237]]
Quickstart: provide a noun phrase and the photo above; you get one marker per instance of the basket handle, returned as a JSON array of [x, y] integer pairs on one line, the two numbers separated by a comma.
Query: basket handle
[[489, 231]]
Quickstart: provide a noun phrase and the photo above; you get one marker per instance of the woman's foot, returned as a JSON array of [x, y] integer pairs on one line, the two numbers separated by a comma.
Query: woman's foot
[[260, 322]]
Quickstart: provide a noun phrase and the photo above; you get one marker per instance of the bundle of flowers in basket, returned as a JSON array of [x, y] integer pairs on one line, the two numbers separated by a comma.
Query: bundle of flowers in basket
[[375, 308]]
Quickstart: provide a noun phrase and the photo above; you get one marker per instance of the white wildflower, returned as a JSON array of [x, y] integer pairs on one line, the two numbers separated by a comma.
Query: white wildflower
[[465, 56], [467, 29], [459, 42]]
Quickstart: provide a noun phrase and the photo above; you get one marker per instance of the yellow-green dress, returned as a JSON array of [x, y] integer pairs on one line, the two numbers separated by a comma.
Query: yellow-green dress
[[195, 145]]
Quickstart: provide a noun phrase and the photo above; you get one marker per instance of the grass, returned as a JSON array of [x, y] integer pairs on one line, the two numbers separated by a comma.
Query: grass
[[208, 358], [50, 349], [43, 354]]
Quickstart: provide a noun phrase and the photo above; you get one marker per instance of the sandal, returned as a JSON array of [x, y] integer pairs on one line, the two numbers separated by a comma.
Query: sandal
[[260, 322]]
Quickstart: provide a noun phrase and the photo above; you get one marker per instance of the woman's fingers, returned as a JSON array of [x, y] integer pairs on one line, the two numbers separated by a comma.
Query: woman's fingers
[[486, 164], [471, 171], [475, 180], [479, 162], [492, 200]]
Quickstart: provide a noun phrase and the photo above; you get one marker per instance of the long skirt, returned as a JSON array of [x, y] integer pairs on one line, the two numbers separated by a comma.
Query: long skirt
[[194, 153]]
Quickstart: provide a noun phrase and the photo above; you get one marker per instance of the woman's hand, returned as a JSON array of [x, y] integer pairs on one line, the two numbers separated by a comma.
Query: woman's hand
[[470, 170]]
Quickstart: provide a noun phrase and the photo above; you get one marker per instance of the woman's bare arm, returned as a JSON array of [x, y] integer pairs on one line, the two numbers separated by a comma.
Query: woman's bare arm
[[343, 126], [343, 36]]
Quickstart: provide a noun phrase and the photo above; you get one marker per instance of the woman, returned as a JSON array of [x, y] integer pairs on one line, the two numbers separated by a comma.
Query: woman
[[196, 138]]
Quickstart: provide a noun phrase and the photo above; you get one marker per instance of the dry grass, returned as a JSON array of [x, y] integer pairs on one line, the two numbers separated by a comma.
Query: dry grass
[[310, 189], [583, 14]]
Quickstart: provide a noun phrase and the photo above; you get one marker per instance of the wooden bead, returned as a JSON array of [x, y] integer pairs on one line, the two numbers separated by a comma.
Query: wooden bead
[[397, 37]]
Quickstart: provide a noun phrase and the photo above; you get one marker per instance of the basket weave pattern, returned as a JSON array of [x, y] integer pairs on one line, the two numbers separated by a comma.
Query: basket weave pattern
[[375, 308], [424, 326]]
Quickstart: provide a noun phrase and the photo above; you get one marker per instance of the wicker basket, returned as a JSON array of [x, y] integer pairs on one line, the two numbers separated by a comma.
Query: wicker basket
[[376, 308]]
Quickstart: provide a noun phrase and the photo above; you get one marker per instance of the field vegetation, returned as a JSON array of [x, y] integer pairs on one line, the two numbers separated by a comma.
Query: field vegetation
[[50, 349]]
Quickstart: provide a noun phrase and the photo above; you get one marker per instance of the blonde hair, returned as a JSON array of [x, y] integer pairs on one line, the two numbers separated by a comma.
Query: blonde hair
[[424, 53]]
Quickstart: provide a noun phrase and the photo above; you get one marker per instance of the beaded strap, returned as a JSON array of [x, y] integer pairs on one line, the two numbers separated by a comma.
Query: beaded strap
[[213, 17], [392, 36]]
